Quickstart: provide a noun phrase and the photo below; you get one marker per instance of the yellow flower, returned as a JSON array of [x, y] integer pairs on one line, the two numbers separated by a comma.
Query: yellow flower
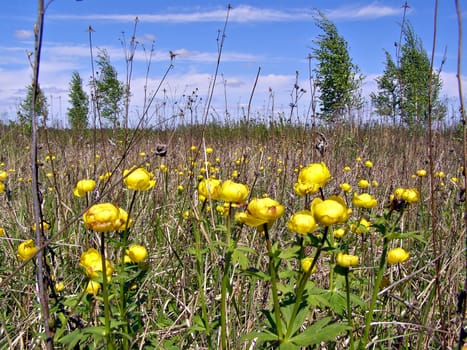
[[59, 286], [369, 164], [2, 187], [91, 261], [397, 255], [363, 184], [302, 222], [209, 150], [312, 178], [440, 174], [126, 223], [306, 263], [454, 180], [364, 200], [345, 187], [137, 253], [420, 173], [374, 183], [261, 211], [362, 226], [43, 225], [93, 287], [346, 260], [106, 176], [347, 169], [3, 175], [209, 189], [104, 217], [2, 232], [27, 250], [138, 179], [358, 159], [411, 195], [233, 192], [83, 187], [330, 211], [339, 233]]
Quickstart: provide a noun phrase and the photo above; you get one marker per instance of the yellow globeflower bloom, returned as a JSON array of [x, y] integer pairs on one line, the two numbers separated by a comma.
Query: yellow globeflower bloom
[[209, 189], [346, 260], [330, 211], [312, 178], [27, 249], [421, 173], [302, 222], [363, 183], [209, 150], [339, 233], [345, 187], [3, 175], [137, 253], [91, 261], [2, 232], [411, 195], [369, 164], [138, 179], [306, 263], [43, 225], [261, 211], [347, 169], [2, 187], [233, 192], [93, 287], [59, 286], [126, 223], [364, 200], [397, 255], [362, 226], [104, 217], [83, 187]]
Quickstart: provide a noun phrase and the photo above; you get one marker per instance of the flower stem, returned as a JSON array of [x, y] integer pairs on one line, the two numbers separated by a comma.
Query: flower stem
[[349, 310], [379, 277], [300, 289], [225, 282], [272, 273], [105, 296]]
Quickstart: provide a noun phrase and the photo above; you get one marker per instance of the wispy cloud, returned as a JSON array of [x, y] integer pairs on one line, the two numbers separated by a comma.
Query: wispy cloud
[[23, 34], [372, 11], [237, 14], [242, 14]]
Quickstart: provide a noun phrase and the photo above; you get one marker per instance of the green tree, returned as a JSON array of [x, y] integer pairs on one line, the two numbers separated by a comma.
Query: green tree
[[79, 101], [404, 89], [109, 90], [386, 101], [25, 110], [337, 78]]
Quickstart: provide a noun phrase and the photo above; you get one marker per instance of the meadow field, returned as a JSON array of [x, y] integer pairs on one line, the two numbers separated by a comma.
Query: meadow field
[[227, 242]]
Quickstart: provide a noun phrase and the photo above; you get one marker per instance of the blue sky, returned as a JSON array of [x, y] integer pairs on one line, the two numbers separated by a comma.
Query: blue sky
[[274, 35]]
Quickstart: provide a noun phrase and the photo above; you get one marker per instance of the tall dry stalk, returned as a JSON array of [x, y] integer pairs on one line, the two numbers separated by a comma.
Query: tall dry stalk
[[463, 293], [42, 281]]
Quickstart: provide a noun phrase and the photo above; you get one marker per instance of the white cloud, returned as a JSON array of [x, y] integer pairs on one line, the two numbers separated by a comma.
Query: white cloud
[[372, 11], [23, 34]]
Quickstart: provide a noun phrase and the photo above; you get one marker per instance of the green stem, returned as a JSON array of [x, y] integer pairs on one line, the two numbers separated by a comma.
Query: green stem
[[272, 273], [349, 310], [105, 296], [300, 289], [379, 277], [225, 282]]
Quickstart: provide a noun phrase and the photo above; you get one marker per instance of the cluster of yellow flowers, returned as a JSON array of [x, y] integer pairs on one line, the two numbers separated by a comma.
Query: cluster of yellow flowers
[[227, 191]]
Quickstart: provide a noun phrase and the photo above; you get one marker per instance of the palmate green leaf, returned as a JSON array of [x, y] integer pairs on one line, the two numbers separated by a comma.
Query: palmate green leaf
[[319, 332], [288, 346], [73, 338], [240, 256], [261, 337], [289, 253]]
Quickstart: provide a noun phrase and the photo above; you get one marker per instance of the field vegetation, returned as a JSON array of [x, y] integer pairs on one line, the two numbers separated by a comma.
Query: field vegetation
[[321, 232]]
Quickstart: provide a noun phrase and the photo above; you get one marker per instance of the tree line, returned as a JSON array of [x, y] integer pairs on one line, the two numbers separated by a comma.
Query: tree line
[[403, 89]]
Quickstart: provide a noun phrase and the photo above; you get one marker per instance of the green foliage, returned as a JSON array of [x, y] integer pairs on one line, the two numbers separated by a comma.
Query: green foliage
[[25, 110], [404, 88], [79, 102], [109, 90], [337, 78]]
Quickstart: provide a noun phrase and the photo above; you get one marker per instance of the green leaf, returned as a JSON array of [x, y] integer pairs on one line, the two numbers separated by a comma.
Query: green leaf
[[319, 332]]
